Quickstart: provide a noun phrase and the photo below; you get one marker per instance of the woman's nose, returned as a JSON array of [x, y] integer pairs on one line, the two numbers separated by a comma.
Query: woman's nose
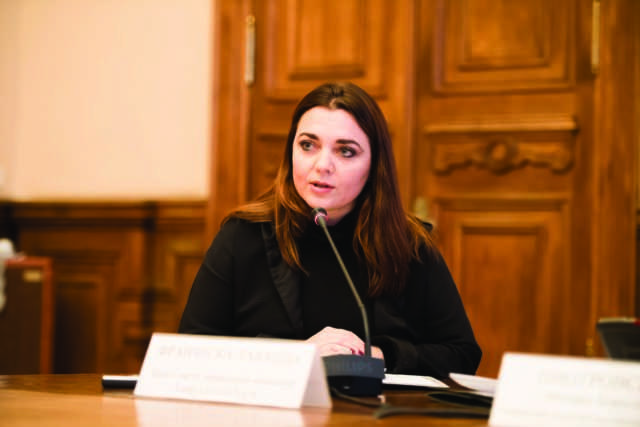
[[325, 162]]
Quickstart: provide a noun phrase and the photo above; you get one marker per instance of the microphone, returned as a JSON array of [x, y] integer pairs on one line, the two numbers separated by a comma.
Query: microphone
[[349, 373]]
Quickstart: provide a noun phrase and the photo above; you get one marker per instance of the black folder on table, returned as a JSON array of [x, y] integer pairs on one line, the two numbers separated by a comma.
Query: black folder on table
[[620, 337]]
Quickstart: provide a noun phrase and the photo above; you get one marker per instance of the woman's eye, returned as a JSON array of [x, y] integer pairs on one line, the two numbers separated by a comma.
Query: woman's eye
[[306, 145], [347, 152]]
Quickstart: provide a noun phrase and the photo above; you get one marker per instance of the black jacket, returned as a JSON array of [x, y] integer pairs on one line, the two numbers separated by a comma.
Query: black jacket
[[244, 288]]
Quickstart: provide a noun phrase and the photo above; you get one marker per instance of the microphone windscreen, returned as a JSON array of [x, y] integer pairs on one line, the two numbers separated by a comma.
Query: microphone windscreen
[[318, 213]]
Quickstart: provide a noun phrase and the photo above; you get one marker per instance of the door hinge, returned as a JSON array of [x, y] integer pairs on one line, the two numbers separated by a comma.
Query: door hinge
[[595, 36], [250, 50]]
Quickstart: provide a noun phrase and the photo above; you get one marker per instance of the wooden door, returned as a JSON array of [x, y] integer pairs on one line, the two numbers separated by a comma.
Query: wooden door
[[502, 122], [273, 52], [509, 163]]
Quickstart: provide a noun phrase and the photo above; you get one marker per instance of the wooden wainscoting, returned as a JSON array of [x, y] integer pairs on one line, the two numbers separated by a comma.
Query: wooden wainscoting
[[122, 270]]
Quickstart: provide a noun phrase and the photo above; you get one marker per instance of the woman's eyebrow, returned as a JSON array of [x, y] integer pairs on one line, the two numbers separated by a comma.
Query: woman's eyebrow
[[342, 141], [308, 135], [349, 142]]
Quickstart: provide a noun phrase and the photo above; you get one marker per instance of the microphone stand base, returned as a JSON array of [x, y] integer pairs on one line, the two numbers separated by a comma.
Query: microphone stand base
[[356, 386], [354, 375]]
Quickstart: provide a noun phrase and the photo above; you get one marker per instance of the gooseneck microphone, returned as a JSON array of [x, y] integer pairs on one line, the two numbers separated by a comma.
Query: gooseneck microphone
[[349, 373], [320, 217]]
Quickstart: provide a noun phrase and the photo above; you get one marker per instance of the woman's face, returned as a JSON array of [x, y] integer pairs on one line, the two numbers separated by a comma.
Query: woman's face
[[331, 160]]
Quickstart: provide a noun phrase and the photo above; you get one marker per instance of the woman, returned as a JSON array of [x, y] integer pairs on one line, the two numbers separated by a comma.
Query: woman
[[270, 271]]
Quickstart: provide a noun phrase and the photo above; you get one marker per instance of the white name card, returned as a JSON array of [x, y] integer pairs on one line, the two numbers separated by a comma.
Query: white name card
[[542, 390], [251, 371]]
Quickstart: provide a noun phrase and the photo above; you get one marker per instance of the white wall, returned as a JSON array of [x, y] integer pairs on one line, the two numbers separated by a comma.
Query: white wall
[[104, 99]]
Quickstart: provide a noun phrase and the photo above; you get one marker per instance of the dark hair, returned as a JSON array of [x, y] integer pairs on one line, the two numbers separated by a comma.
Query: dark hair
[[387, 253]]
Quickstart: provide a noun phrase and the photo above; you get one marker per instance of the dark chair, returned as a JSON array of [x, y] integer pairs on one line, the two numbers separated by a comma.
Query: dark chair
[[27, 319]]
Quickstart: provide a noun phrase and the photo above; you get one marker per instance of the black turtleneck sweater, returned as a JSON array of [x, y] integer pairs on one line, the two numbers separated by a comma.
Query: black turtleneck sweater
[[243, 288], [326, 297]]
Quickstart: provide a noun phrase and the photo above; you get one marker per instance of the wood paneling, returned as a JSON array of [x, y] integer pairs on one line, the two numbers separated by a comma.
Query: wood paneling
[[506, 141], [178, 248], [509, 258], [504, 137], [307, 43], [122, 271], [503, 45]]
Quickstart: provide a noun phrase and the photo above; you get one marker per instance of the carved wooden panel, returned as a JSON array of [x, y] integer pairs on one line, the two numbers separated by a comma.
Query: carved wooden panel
[[94, 272], [503, 144], [505, 45], [503, 155], [121, 269], [509, 260], [310, 42]]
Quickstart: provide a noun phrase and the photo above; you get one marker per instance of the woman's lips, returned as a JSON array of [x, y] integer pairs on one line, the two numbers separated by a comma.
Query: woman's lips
[[322, 187]]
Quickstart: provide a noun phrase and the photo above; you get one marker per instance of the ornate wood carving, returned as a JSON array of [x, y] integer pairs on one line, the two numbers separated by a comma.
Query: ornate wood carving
[[502, 154], [501, 145]]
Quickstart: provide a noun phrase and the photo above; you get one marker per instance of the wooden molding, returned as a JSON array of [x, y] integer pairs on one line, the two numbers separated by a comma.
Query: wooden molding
[[502, 144], [502, 154]]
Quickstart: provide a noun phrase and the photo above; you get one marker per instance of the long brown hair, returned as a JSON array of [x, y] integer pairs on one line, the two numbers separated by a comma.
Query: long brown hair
[[386, 236]]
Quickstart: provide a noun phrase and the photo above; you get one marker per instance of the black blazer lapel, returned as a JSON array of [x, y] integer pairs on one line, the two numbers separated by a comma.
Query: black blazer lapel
[[285, 278]]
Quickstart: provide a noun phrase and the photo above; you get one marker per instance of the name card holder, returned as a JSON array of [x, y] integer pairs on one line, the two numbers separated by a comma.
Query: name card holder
[[251, 371], [543, 390]]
